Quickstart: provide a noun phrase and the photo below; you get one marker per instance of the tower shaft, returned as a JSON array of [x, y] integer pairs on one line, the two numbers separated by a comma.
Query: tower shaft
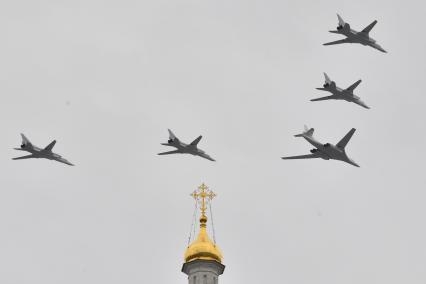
[[202, 271]]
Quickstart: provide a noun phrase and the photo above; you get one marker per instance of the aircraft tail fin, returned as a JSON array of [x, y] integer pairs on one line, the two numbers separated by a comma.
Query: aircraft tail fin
[[342, 24], [172, 136], [25, 141], [50, 146], [328, 83], [196, 141], [341, 21], [327, 79], [344, 141], [308, 132]]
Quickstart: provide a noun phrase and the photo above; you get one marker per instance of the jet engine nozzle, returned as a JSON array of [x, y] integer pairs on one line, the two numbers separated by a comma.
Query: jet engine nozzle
[[326, 145], [326, 85], [339, 27], [23, 146], [170, 141], [314, 151]]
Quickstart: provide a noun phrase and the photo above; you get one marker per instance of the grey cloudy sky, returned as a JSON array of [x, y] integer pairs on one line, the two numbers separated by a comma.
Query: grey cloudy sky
[[107, 78]]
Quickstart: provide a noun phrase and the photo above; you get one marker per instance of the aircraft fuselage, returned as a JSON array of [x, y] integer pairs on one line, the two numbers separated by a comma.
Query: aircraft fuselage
[[328, 151], [38, 152], [185, 148], [343, 94], [358, 37]]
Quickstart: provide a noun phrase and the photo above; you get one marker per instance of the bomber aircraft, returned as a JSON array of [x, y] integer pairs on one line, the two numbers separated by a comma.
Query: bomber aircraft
[[339, 93], [182, 148], [325, 151], [352, 36], [37, 152]]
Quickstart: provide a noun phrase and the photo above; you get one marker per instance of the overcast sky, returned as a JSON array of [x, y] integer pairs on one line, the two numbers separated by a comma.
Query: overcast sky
[[107, 78]]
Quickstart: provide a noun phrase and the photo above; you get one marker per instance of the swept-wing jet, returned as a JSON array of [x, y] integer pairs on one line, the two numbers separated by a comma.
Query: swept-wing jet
[[339, 93], [37, 152], [183, 148], [326, 151], [353, 36]]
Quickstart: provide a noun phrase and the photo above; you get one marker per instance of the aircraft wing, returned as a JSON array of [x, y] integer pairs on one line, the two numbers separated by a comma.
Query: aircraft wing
[[308, 156], [368, 28], [170, 152], [338, 42], [324, 98], [195, 142], [24, 157], [50, 146], [354, 85], [342, 143]]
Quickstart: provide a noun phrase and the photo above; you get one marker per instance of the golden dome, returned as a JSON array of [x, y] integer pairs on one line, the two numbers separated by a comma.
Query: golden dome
[[203, 247]]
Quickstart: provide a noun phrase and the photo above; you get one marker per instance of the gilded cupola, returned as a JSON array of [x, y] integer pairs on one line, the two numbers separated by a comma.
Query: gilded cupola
[[203, 247]]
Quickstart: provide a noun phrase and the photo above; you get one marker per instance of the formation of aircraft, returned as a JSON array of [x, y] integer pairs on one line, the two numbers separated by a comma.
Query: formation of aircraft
[[37, 152], [326, 151], [329, 151], [182, 148], [352, 36], [339, 93]]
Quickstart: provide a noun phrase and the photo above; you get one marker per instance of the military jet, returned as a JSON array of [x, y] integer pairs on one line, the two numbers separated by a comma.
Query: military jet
[[352, 36], [183, 148], [37, 152], [340, 94], [326, 151]]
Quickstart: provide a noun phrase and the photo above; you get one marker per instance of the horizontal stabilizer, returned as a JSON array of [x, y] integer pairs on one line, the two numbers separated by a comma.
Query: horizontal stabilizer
[[342, 143]]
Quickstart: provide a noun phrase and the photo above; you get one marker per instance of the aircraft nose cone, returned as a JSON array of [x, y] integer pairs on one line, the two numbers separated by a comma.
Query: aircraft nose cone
[[361, 103], [380, 48], [364, 105], [353, 163]]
